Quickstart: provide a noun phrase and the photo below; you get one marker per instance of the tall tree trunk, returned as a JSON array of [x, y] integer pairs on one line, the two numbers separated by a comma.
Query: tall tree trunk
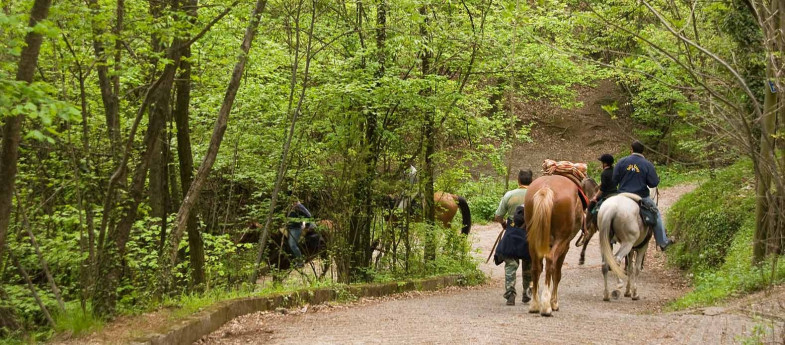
[[362, 219], [765, 213], [295, 113], [12, 128], [158, 188], [109, 98], [429, 142], [113, 249], [181, 114], [195, 188]]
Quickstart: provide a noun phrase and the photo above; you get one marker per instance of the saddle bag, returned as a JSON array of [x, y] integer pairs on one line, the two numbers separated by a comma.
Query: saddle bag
[[649, 213]]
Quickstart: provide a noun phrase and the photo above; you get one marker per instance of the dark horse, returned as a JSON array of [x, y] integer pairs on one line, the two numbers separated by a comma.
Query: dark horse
[[590, 188], [313, 245]]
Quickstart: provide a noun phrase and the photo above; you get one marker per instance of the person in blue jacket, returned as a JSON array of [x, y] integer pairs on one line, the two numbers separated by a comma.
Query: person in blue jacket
[[634, 174], [513, 248], [298, 219]]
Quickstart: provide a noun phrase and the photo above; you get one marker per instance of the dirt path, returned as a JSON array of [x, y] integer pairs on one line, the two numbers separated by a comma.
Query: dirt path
[[479, 314]]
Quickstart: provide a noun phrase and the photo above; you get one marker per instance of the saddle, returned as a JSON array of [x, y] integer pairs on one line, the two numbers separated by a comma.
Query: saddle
[[647, 209]]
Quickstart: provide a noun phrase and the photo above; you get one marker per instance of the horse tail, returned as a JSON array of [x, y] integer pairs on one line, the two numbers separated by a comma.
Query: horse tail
[[539, 227], [466, 215], [606, 224]]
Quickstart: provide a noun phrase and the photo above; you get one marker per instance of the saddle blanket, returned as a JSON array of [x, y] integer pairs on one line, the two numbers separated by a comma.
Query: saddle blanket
[[576, 172]]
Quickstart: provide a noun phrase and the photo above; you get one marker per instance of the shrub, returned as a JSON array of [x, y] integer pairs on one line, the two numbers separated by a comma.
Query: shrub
[[483, 207], [706, 220], [735, 275]]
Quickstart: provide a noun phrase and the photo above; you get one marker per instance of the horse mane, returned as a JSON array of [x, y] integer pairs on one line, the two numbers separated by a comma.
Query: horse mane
[[540, 226]]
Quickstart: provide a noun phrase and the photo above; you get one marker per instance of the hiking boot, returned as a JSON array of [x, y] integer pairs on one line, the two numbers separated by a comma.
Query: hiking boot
[[511, 299], [527, 296], [668, 244]]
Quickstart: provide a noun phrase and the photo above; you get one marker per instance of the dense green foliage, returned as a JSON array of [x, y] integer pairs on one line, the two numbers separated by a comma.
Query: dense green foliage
[[320, 59], [706, 221], [714, 226]]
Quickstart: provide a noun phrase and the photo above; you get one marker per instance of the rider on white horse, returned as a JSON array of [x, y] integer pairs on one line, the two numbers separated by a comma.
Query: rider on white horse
[[634, 174], [607, 188]]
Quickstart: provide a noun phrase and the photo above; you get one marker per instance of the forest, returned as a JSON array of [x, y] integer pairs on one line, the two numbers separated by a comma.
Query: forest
[[151, 148]]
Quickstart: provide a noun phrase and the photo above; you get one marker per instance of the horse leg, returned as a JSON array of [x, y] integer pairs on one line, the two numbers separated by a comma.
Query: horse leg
[[605, 268], [639, 256], [624, 249], [545, 301], [534, 307], [557, 277], [629, 263], [582, 260], [559, 251]]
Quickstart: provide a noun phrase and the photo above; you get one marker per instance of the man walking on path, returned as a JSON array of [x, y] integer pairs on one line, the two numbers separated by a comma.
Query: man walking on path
[[516, 238], [634, 174]]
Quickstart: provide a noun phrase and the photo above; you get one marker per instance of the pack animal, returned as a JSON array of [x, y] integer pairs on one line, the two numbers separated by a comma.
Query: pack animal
[[554, 214]]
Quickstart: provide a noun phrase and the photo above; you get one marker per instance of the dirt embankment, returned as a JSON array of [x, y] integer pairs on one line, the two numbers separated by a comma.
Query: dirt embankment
[[580, 135]]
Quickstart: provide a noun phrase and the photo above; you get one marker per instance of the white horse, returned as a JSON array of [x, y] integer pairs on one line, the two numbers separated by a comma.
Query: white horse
[[619, 219]]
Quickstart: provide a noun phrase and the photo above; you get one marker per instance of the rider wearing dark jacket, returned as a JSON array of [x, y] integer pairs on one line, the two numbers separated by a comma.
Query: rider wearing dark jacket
[[634, 174], [298, 216], [607, 187]]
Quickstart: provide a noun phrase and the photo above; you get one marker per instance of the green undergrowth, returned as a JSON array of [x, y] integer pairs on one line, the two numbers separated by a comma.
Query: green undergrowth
[[714, 227], [76, 323], [734, 277], [676, 174], [705, 221]]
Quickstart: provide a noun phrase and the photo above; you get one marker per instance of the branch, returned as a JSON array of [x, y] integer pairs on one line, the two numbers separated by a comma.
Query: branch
[[209, 26], [722, 62]]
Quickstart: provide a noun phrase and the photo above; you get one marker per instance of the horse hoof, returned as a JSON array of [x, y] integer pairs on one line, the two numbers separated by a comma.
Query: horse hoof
[[615, 294], [606, 299], [627, 294], [635, 298], [546, 314], [581, 261], [534, 311]]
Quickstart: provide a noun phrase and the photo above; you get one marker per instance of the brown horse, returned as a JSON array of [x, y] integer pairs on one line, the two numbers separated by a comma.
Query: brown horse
[[554, 213], [446, 205]]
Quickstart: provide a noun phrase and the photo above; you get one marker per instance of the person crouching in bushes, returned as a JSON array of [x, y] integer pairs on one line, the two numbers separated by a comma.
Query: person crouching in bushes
[[513, 248]]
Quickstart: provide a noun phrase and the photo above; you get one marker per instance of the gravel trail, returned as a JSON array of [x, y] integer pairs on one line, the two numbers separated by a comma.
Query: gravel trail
[[478, 315]]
